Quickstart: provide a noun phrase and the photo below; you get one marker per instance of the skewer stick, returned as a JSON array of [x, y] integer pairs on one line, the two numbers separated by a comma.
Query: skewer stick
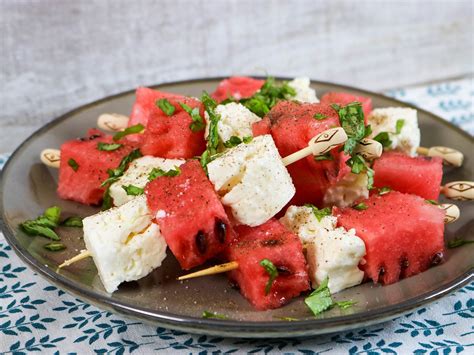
[[459, 190], [452, 212], [83, 255], [112, 122], [319, 145], [217, 269], [51, 157], [450, 156], [369, 149]]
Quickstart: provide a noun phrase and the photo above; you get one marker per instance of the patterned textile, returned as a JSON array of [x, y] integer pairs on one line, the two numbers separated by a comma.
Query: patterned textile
[[36, 316]]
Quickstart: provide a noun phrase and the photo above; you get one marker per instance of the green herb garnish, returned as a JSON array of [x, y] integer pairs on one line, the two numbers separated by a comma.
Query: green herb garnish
[[157, 172], [399, 126], [271, 271], [165, 106], [319, 213], [115, 174], [207, 314], [358, 165], [198, 123], [384, 190], [432, 202], [107, 201], [351, 118], [458, 242], [384, 139], [326, 156], [44, 224], [73, 221], [345, 304], [213, 137], [53, 214], [320, 299], [360, 206], [133, 190], [129, 130], [54, 246], [73, 164], [108, 147], [319, 116], [235, 141], [288, 319]]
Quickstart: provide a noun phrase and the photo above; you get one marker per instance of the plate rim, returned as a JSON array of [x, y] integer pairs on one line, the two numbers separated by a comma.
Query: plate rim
[[228, 327]]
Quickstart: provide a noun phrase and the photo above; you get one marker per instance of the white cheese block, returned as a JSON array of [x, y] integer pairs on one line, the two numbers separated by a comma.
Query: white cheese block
[[349, 189], [330, 252], [137, 175], [124, 243], [304, 93], [385, 120], [235, 120], [252, 180]]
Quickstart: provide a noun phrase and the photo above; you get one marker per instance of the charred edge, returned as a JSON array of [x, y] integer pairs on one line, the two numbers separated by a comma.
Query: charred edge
[[201, 242], [220, 230]]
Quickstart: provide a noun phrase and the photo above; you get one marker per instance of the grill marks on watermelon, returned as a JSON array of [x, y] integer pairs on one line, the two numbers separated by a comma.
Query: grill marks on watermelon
[[292, 125], [238, 87], [83, 185], [403, 235], [274, 242], [171, 136], [344, 98], [190, 215], [144, 106], [414, 175]]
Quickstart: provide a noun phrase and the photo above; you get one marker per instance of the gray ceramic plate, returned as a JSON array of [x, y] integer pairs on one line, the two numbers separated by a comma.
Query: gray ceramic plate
[[27, 187]]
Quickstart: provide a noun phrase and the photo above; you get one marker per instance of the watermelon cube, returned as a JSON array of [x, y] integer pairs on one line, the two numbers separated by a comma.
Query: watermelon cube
[[403, 235], [190, 215], [171, 136], [144, 106], [419, 175], [344, 98], [238, 87], [271, 241], [292, 125], [83, 167]]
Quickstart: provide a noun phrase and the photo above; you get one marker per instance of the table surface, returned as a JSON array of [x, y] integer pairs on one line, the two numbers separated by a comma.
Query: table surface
[[36, 316]]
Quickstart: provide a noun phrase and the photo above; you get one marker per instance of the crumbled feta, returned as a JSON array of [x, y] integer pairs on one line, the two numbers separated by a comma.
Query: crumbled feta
[[304, 93], [385, 120], [331, 252], [137, 175], [252, 181], [349, 189], [124, 243], [235, 120]]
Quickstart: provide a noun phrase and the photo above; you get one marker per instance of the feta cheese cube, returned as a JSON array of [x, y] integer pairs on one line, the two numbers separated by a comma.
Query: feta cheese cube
[[385, 120], [124, 243], [252, 181], [304, 93], [137, 175], [331, 252], [349, 189], [235, 120]]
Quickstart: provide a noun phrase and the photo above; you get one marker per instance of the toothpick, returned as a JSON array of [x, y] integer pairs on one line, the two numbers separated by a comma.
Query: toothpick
[[83, 255], [51, 157], [217, 269], [450, 156], [459, 190], [452, 212], [112, 122]]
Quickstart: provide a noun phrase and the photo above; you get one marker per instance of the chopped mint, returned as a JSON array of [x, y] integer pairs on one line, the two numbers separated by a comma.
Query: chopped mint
[[458, 242], [165, 106], [108, 147], [384, 190], [73, 221], [198, 123], [326, 156], [235, 141], [213, 137], [384, 139], [399, 126], [133, 190], [129, 130], [157, 172], [319, 116], [319, 213], [73, 164], [320, 299], [432, 202], [351, 118], [271, 271], [44, 224], [345, 304], [360, 206], [54, 246], [115, 174], [53, 214], [288, 319], [207, 314]]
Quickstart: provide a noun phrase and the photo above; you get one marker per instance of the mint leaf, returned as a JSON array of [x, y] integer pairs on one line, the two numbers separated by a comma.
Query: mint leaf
[[198, 123], [384, 139], [399, 126], [34, 227], [108, 147], [73, 221], [207, 314], [319, 116], [157, 172], [326, 156], [271, 271], [320, 299], [432, 202], [345, 304], [455, 243], [73, 164], [129, 130], [360, 206], [115, 174], [165, 106], [133, 190], [351, 118], [54, 246], [319, 213], [213, 137], [53, 214], [384, 190]]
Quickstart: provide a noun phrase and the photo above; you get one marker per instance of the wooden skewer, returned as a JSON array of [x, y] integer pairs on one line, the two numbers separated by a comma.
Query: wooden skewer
[[450, 156], [51, 157], [112, 122], [459, 190], [369, 149], [452, 212], [83, 255]]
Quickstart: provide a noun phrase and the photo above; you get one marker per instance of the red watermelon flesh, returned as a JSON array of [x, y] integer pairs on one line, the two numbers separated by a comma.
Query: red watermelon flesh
[[344, 98], [190, 215], [414, 175], [403, 235], [274, 242], [83, 185], [239, 87], [144, 106], [170, 136], [292, 125]]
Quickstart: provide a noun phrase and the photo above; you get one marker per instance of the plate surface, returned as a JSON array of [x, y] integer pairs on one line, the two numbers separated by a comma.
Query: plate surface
[[27, 187]]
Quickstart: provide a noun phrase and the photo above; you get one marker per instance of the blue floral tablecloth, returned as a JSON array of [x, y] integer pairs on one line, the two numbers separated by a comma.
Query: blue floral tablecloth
[[36, 316]]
